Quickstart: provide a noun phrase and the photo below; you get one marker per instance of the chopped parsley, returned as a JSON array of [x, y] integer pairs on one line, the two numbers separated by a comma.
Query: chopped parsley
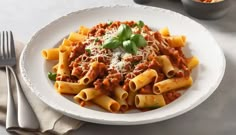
[[88, 51]]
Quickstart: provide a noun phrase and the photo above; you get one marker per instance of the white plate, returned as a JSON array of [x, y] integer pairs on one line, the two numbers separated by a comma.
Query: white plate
[[207, 75]]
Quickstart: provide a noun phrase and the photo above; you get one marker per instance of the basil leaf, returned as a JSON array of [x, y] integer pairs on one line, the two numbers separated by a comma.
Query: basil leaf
[[140, 24], [124, 32], [130, 46], [52, 76], [139, 40], [111, 43]]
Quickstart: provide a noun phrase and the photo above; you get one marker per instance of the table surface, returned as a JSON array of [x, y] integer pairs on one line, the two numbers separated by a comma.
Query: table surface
[[215, 116]]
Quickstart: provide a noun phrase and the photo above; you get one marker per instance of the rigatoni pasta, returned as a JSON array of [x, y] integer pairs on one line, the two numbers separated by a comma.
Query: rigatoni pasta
[[88, 94], [142, 79], [176, 41], [51, 54], [165, 31], [83, 30], [76, 37], [123, 105], [167, 67], [68, 87], [107, 103], [120, 93], [171, 84], [149, 101], [192, 62], [91, 75], [63, 65], [121, 65], [66, 42], [55, 67], [131, 98]]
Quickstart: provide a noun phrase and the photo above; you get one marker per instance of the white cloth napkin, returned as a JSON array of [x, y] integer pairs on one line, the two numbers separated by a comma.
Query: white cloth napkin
[[51, 121]]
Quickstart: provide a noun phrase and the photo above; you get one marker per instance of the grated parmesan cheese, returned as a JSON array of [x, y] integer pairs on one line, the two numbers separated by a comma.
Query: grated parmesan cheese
[[118, 57]]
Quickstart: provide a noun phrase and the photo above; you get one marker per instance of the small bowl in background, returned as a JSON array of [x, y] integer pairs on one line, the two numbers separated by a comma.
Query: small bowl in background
[[206, 10], [142, 1]]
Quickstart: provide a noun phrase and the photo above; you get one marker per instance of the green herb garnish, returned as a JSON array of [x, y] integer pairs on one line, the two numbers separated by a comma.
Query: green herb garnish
[[111, 43], [52, 76], [88, 51], [96, 40], [130, 46], [109, 23], [130, 42], [124, 32], [139, 40], [140, 24]]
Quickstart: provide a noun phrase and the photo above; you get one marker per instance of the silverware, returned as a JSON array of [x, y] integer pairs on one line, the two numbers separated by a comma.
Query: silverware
[[25, 115], [11, 119]]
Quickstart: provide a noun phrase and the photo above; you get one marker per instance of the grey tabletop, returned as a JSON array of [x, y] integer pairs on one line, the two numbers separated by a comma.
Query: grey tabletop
[[215, 116]]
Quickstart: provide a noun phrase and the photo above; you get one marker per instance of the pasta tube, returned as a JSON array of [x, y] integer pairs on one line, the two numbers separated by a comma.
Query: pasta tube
[[171, 84], [74, 72], [176, 41], [131, 97], [55, 67], [123, 105], [63, 68], [149, 101], [167, 67], [76, 37], [88, 94], [120, 93], [80, 101], [66, 42], [192, 62], [165, 32], [91, 75], [83, 30], [68, 87], [142, 79], [107, 103], [50, 54], [184, 38], [53, 53]]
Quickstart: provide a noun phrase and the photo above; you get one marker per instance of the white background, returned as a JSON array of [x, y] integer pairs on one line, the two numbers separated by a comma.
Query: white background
[[215, 116]]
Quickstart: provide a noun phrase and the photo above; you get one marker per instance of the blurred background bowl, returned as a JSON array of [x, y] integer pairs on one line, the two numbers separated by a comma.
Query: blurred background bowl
[[142, 1], [206, 10]]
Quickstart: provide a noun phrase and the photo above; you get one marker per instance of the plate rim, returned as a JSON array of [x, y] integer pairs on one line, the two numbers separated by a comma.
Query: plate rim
[[110, 122]]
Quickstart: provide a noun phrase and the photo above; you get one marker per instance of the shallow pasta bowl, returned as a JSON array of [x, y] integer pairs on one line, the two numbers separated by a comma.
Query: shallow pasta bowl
[[206, 76]]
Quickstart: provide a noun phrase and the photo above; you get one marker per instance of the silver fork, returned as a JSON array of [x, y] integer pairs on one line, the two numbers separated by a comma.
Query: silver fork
[[25, 116], [11, 119]]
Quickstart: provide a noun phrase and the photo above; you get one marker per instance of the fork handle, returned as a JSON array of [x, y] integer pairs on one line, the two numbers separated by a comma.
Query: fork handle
[[26, 116], [11, 118]]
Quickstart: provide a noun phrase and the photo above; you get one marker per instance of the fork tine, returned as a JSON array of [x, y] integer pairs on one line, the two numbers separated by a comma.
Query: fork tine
[[7, 45], [12, 46], [3, 44], [0, 45]]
